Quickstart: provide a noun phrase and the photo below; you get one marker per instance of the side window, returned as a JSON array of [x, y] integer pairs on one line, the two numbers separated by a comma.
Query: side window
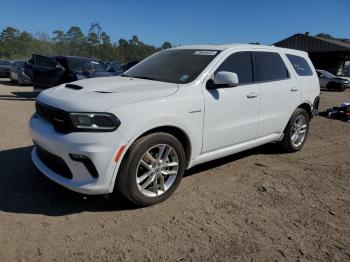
[[300, 65], [241, 64], [44, 61], [270, 67]]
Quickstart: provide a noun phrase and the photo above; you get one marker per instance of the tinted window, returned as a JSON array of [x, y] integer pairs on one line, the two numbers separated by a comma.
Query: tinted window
[[270, 67], [44, 61], [79, 64], [173, 65], [241, 64], [115, 67], [300, 65]]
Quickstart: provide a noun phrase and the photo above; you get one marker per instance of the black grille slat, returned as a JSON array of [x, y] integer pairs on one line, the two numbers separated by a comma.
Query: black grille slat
[[59, 118], [53, 162]]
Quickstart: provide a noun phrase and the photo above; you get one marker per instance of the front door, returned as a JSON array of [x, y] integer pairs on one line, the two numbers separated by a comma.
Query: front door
[[232, 114]]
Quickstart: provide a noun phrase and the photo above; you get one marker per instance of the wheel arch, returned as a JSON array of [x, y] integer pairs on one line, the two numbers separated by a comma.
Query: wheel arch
[[307, 107], [177, 132]]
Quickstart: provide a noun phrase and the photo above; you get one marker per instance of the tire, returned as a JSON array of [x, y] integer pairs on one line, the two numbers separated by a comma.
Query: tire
[[131, 169], [288, 143], [331, 86], [341, 88]]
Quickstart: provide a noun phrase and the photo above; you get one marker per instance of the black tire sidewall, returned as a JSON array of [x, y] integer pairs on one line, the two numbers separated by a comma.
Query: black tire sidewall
[[127, 176]]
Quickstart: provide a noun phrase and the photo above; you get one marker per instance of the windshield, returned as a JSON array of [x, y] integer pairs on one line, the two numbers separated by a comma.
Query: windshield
[[327, 74], [175, 66], [79, 64]]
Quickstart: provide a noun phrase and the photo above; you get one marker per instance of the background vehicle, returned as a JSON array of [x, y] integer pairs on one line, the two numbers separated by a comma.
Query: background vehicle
[[5, 66], [47, 72], [115, 66], [17, 73], [178, 108], [129, 65], [332, 82]]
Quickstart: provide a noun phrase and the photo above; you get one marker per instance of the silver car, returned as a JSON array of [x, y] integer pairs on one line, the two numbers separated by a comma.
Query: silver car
[[332, 82]]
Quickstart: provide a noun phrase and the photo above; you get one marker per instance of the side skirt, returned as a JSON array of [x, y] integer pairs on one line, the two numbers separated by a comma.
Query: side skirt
[[222, 152]]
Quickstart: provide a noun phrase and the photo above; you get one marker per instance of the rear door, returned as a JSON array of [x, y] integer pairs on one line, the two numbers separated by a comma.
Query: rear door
[[44, 71], [280, 91]]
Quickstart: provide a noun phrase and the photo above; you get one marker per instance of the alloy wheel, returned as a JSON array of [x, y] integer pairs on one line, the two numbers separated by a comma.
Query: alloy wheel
[[157, 170], [299, 131]]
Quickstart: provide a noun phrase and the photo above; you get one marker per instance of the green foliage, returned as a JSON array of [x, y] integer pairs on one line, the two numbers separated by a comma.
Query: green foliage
[[16, 44]]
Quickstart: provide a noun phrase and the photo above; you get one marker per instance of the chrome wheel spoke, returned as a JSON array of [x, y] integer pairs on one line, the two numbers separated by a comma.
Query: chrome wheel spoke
[[160, 153], [294, 137], [150, 157], [148, 182], [166, 153], [143, 177], [145, 165], [169, 172], [171, 164]]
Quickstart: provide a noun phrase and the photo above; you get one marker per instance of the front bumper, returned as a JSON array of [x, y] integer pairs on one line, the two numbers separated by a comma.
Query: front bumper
[[100, 148]]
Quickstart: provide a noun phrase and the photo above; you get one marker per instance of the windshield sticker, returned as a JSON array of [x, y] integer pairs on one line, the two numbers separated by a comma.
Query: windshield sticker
[[205, 52]]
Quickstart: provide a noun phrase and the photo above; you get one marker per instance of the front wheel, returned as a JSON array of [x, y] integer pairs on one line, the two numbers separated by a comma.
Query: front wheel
[[296, 131], [152, 169]]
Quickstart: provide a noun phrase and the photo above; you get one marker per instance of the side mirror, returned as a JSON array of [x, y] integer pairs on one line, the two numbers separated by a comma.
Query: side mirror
[[223, 79]]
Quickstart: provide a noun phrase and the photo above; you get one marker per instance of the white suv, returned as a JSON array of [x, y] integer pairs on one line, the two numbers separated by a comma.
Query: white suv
[[138, 132]]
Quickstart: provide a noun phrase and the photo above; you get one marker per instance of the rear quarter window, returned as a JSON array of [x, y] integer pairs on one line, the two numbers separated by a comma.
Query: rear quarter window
[[300, 65]]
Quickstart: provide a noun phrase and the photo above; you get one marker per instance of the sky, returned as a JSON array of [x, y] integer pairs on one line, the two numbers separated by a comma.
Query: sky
[[183, 22]]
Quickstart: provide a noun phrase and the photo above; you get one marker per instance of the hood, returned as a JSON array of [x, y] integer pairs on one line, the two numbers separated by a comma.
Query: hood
[[103, 93], [340, 80]]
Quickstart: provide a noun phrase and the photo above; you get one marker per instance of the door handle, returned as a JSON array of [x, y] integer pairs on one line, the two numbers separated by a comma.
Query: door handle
[[252, 95], [294, 89]]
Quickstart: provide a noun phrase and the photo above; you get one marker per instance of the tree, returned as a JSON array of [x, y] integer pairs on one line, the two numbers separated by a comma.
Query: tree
[[76, 41], [16, 44], [166, 45]]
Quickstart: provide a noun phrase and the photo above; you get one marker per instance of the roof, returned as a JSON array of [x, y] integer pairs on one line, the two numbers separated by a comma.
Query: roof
[[209, 47], [313, 44], [234, 46]]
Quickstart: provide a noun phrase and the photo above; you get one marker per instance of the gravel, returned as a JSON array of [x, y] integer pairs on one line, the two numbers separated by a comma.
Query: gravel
[[259, 205]]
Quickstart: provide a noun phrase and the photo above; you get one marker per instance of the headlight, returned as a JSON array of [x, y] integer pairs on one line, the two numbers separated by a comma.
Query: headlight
[[104, 122]]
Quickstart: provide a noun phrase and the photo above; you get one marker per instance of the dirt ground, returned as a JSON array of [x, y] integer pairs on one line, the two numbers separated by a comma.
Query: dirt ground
[[260, 205]]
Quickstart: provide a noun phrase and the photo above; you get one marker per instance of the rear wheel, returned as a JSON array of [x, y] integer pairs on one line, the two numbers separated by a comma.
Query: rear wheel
[[152, 169], [342, 88], [296, 131]]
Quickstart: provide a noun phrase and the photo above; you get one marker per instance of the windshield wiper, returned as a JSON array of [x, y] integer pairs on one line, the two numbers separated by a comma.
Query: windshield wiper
[[124, 75]]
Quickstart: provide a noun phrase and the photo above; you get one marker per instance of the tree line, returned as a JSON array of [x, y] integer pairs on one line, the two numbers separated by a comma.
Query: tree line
[[16, 44]]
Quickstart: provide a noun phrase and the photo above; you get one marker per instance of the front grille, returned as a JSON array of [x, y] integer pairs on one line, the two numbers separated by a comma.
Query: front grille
[[54, 162], [59, 118]]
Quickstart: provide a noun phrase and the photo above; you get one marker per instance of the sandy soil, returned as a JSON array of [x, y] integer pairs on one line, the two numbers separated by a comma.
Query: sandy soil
[[260, 205]]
